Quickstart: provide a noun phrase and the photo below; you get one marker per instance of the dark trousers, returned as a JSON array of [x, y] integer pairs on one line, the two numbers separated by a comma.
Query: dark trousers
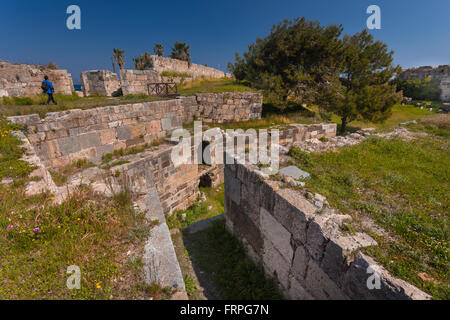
[[50, 98]]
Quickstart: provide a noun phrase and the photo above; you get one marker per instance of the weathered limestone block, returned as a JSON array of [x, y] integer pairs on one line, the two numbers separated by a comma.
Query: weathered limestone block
[[25, 80], [338, 249], [297, 291], [357, 276], [275, 233], [300, 263], [320, 285], [99, 82], [276, 265], [233, 188], [289, 215]]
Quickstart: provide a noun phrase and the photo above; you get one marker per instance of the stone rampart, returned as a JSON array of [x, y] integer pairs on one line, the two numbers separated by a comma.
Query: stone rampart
[[99, 82], [161, 64], [25, 80], [136, 81], [62, 137], [301, 245]]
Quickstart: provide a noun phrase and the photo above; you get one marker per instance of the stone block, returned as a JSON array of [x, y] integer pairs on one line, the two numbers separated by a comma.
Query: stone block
[[232, 188], [243, 226], [320, 285], [153, 127], [166, 123], [294, 172], [275, 233], [89, 140], [275, 265], [123, 133], [300, 263], [297, 291], [104, 149], [338, 249], [107, 136], [69, 145], [357, 276], [290, 217]]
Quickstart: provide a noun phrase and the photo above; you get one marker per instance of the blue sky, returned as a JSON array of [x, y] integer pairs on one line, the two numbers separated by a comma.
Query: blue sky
[[35, 31]]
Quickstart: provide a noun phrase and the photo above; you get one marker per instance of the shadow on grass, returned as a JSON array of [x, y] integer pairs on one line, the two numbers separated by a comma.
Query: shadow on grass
[[222, 267]]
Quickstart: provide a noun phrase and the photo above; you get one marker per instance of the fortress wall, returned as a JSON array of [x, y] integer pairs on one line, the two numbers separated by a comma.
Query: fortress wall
[[135, 81], [25, 80], [62, 137], [99, 82], [162, 64], [300, 245]]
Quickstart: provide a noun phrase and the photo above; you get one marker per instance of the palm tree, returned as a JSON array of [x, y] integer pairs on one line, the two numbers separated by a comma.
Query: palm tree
[[144, 61], [180, 51], [159, 50], [119, 55]]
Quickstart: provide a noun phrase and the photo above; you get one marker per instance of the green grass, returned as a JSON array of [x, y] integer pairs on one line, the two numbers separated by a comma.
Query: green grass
[[219, 254], [212, 86], [60, 176], [403, 187], [199, 210], [14, 106], [39, 240], [176, 74], [10, 153], [400, 113], [190, 285]]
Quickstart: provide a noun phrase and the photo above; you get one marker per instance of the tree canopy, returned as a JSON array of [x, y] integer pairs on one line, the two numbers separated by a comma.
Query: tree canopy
[[159, 50], [143, 62], [305, 62], [119, 56], [419, 89], [181, 51]]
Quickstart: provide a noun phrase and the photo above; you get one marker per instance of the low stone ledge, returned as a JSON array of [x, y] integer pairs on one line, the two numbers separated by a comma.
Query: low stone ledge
[[160, 261]]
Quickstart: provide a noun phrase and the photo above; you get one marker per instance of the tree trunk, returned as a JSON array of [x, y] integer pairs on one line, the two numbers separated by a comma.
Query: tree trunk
[[113, 65], [344, 124]]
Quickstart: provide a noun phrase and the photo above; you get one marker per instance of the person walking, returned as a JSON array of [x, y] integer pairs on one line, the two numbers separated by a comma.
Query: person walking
[[48, 88]]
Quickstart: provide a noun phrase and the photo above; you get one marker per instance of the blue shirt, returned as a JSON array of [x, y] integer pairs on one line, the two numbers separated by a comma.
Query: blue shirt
[[51, 89]]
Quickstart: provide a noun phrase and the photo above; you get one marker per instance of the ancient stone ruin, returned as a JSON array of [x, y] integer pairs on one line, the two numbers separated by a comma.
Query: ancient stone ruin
[[25, 80], [439, 73], [297, 238], [103, 82], [293, 234]]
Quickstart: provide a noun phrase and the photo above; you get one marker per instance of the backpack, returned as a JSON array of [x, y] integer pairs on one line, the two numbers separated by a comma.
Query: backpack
[[44, 86]]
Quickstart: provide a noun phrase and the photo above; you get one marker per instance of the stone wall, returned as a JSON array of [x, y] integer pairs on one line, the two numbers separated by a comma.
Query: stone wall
[[177, 187], [24, 79], [300, 132], [135, 81], [439, 73], [65, 136], [300, 245], [228, 106], [99, 82], [161, 64]]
